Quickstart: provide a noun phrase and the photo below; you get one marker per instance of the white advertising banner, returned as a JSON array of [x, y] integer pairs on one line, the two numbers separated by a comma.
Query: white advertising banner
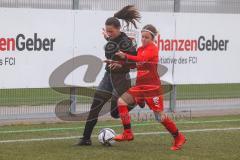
[[196, 48], [215, 54], [32, 44]]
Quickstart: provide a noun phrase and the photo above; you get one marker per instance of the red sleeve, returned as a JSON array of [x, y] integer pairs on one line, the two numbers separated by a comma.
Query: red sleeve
[[148, 55]]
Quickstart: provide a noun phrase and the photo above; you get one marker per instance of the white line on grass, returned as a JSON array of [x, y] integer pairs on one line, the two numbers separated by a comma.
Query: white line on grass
[[144, 133], [114, 126]]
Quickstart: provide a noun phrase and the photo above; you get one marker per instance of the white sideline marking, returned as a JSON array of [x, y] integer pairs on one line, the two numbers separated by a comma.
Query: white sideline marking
[[114, 126], [144, 133]]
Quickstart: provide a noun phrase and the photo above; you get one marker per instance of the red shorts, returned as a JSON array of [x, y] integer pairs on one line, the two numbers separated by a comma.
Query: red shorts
[[151, 94]]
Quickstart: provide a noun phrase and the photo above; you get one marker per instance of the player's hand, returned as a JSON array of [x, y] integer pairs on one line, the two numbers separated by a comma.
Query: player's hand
[[109, 61], [115, 66], [106, 36], [121, 55]]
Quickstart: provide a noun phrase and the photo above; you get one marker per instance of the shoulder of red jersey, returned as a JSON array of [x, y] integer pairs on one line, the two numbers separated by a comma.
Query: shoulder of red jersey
[[152, 48]]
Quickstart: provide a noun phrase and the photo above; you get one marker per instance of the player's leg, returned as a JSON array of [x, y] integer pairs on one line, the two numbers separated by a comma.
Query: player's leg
[[123, 103], [121, 83], [114, 108], [156, 104], [101, 96], [168, 123]]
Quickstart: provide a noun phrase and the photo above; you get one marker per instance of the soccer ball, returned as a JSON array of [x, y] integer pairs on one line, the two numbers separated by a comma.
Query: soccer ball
[[105, 136]]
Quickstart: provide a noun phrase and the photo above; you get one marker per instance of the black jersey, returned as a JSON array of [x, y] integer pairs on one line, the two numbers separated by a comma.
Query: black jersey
[[121, 43]]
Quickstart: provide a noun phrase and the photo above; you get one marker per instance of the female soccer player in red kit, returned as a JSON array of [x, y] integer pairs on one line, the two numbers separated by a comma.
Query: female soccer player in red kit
[[148, 87]]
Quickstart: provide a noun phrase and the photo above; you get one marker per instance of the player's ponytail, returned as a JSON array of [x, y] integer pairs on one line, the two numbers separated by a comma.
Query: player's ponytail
[[129, 14]]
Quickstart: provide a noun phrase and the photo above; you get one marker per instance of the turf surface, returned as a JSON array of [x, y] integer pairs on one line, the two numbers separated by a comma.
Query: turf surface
[[212, 145]]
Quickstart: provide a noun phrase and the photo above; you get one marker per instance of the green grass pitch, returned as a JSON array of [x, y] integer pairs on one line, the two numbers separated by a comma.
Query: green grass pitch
[[209, 138]]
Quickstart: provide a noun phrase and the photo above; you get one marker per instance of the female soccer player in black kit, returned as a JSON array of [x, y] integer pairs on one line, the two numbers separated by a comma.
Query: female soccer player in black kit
[[116, 79]]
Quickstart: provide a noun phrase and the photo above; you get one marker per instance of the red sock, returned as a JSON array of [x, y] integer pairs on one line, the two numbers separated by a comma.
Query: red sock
[[125, 117], [170, 126]]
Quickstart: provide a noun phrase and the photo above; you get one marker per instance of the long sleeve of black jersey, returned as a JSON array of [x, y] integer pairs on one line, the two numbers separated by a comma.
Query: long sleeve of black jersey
[[132, 50]]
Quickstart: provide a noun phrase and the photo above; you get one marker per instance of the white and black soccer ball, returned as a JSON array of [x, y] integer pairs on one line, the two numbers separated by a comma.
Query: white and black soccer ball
[[105, 136]]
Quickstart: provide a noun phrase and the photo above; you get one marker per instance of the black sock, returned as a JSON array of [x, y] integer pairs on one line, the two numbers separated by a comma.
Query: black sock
[[127, 126], [175, 134], [99, 100], [89, 128]]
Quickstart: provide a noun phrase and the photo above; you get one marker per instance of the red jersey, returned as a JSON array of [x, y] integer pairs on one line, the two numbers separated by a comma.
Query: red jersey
[[147, 62]]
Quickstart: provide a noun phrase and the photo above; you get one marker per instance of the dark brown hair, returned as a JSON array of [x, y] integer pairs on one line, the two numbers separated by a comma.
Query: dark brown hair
[[151, 28], [128, 13]]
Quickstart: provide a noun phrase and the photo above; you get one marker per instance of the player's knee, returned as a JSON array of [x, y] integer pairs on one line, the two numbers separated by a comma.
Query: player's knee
[[121, 102]]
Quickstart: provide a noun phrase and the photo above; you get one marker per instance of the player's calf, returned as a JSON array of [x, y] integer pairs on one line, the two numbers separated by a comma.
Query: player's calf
[[127, 135], [167, 122]]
